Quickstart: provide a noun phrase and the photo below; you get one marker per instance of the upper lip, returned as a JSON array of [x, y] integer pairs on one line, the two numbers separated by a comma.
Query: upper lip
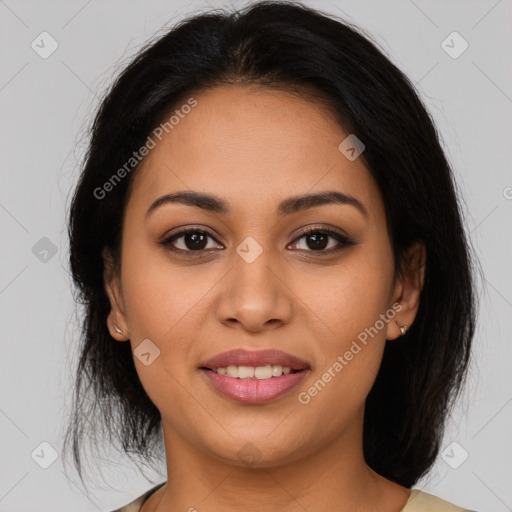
[[242, 357]]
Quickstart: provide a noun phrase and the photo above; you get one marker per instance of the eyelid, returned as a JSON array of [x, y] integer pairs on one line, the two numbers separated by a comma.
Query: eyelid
[[324, 228], [186, 228], [341, 237]]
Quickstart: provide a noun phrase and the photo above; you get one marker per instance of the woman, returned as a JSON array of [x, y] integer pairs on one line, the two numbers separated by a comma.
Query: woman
[[267, 224]]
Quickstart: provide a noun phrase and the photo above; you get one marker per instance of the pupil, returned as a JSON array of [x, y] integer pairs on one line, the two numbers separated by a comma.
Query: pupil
[[316, 245], [197, 241]]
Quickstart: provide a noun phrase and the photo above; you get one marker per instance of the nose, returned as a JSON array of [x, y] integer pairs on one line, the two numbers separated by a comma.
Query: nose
[[254, 297]]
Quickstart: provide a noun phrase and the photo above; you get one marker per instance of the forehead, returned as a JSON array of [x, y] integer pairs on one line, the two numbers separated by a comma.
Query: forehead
[[252, 143]]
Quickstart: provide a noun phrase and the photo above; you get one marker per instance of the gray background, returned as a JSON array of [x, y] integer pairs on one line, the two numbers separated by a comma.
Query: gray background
[[45, 104]]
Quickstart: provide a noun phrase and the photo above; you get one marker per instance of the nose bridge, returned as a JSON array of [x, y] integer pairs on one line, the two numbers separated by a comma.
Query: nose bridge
[[253, 273], [255, 295], [252, 267]]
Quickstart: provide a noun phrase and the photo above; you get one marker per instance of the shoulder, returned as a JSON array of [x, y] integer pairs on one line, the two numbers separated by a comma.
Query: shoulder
[[135, 505], [420, 501]]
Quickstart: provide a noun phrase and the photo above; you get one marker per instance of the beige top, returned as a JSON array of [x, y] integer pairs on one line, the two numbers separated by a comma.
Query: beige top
[[418, 501]]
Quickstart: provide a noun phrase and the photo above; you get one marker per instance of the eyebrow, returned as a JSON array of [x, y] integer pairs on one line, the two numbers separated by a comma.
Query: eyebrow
[[288, 206]]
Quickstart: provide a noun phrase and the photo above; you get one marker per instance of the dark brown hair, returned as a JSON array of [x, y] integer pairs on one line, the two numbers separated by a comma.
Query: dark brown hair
[[288, 46]]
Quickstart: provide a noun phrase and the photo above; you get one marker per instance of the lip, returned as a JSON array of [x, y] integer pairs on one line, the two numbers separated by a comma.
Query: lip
[[243, 357], [253, 390]]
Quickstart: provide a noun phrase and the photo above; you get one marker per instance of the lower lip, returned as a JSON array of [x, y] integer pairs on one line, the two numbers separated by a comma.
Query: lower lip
[[254, 391]]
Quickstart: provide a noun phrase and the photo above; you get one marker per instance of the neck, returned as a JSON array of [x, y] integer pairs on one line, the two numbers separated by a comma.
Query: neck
[[333, 475]]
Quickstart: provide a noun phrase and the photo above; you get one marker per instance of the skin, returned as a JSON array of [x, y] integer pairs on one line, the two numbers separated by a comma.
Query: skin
[[254, 147]]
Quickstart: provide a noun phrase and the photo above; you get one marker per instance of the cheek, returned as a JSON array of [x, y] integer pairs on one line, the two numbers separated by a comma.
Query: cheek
[[350, 307], [158, 295], [350, 297], [161, 304], [350, 346], [164, 303]]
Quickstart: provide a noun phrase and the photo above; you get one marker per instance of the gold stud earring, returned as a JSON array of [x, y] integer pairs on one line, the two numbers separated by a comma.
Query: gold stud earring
[[403, 328]]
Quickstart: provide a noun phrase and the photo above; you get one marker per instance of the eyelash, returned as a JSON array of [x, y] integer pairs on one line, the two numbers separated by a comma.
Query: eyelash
[[343, 240]]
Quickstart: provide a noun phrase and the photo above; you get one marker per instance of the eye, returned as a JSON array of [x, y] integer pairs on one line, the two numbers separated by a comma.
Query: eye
[[316, 240], [194, 240]]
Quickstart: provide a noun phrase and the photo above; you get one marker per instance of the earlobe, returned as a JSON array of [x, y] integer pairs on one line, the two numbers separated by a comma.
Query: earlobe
[[397, 328], [116, 332], [403, 328]]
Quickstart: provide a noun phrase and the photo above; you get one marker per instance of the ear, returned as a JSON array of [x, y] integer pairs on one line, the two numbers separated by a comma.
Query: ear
[[408, 288], [112, 282]]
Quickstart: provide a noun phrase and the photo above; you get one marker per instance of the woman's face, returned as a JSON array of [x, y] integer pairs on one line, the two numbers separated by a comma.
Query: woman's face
[[247, 278]]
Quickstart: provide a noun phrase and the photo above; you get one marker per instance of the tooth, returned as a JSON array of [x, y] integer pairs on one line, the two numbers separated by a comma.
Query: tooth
[[232, 371], [263, 372], [277, 370], [245, 372]]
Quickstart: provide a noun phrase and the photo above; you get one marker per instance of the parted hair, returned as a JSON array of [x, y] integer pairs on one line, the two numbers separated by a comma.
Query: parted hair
[[290, 47]]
